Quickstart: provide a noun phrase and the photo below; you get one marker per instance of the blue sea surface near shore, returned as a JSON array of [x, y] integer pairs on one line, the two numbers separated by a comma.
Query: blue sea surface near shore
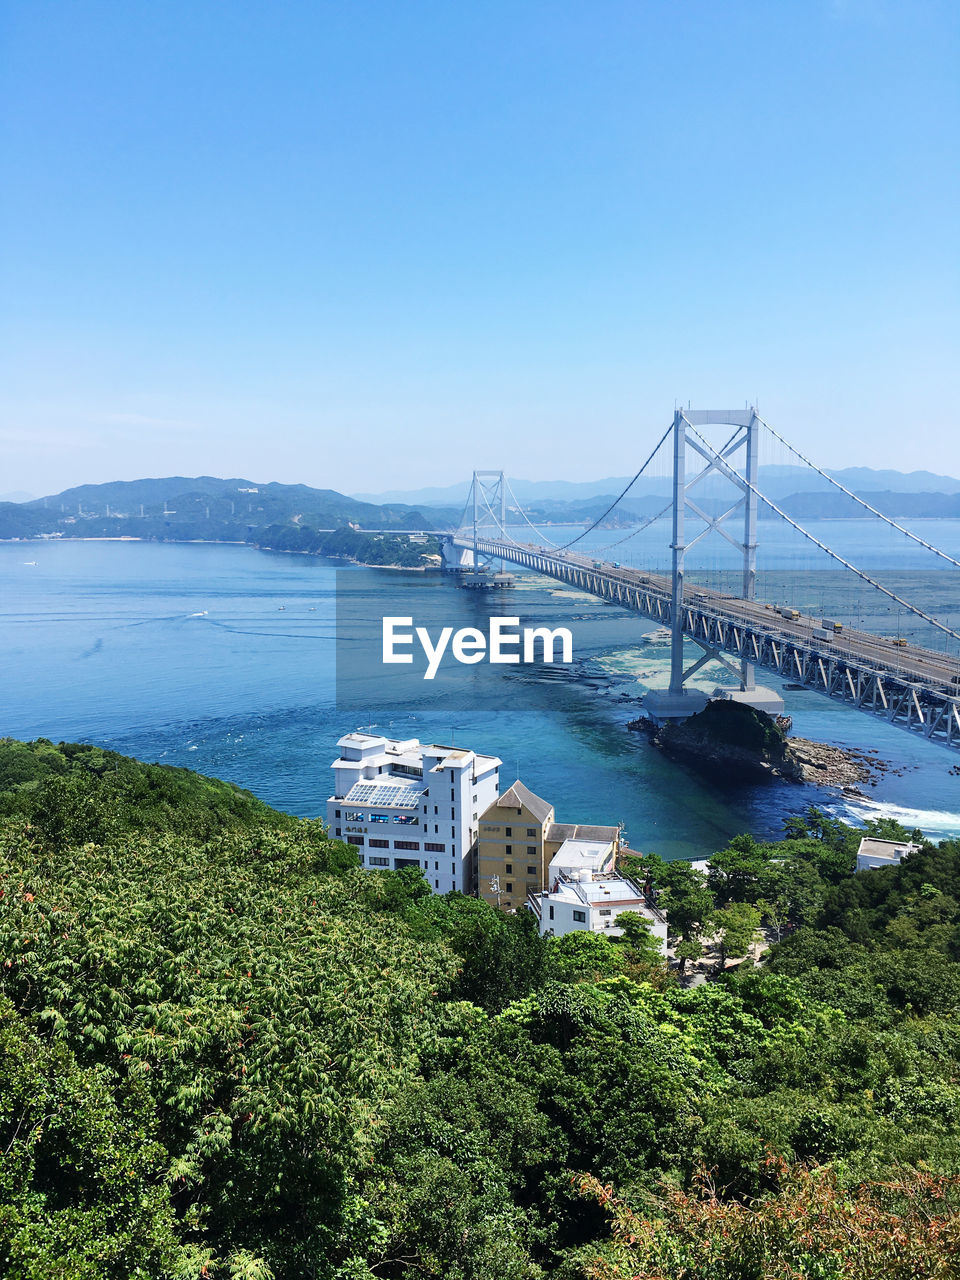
[[221, 658]]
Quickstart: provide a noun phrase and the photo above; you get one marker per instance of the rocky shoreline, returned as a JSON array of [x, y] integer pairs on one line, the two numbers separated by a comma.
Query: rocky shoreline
[[829, 766]]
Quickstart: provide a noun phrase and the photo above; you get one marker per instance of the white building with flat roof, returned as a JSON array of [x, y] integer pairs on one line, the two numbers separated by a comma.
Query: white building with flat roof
[[586, 892], [407, 803], [882, 853]]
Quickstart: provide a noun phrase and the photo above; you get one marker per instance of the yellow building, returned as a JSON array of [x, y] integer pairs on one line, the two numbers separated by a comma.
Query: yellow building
[[517, 840], [511, 847]]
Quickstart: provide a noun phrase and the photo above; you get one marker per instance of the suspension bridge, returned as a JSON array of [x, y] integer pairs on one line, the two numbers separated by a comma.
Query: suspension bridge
[[912, 686]]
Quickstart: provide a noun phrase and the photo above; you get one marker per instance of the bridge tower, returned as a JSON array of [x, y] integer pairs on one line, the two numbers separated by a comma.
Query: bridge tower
[[679, 701], [487, 501], [489, 493]]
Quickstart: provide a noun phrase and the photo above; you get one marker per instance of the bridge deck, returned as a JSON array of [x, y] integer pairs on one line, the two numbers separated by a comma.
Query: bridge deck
[[915, 687]]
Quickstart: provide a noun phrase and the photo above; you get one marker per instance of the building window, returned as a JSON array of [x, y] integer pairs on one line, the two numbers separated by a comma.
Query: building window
[[407, 844], [339, 832], [508, 831], [435, 809], [435, 848], [531, 850], [379, 862], [605, 911], [551, 913], [452, 795], [336, 813], [436, 884], [509, 887], [509, 868], [355, 840], [580, 917], [436, 866], [509, 849], [531, 871], [474, 799], [452, 815], [531, 831], [379, 844]]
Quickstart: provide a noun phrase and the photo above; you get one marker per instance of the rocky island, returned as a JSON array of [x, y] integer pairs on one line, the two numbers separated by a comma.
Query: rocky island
[[730, 737]]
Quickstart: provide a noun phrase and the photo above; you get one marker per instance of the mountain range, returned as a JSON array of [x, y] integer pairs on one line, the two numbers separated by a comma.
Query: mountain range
[[775, 481]]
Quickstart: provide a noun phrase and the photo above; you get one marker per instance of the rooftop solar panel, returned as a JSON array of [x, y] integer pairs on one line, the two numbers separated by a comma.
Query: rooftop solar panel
[[395, 796]]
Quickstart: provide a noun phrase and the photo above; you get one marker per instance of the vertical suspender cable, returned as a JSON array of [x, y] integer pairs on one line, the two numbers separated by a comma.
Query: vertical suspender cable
[[828, 550]]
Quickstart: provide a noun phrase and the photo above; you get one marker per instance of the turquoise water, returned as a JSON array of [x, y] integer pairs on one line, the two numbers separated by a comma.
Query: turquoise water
[[220, 658]]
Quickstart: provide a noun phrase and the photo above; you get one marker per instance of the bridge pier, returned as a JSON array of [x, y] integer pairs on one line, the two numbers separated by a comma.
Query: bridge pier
[[456, 559], [665, 705]]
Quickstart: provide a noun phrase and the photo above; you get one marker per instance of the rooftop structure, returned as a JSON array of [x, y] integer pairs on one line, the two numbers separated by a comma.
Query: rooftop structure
[[882, 853], [519, 797], [585, 857], [558, 832]]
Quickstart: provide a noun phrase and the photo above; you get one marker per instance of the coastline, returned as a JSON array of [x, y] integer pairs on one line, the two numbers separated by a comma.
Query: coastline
[[227, 542]]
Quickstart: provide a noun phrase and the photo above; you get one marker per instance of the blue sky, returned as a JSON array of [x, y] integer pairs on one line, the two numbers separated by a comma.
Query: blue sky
[[370, 245]]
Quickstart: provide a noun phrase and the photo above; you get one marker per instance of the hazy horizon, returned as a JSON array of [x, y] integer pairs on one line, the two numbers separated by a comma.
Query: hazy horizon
[[521, 483], [374, 247]]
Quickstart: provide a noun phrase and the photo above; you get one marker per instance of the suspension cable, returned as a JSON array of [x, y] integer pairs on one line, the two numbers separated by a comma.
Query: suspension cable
[[516, 503], [865, 577], [663, 511], [466, 507], [850, 494], [639, 529], [590, 528]]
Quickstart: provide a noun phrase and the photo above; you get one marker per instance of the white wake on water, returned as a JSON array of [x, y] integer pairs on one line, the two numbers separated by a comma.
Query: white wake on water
[[933, 822]]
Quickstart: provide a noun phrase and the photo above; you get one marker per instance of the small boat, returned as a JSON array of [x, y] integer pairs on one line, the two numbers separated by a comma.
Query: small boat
[[281, 608], [33, 563]]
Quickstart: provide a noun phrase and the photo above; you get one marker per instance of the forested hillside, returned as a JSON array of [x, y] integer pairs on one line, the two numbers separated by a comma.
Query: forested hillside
[[288, 517], [226, 1051]]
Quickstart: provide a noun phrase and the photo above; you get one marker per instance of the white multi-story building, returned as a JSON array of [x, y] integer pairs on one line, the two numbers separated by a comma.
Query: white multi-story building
[[412, 804], [586, 892]]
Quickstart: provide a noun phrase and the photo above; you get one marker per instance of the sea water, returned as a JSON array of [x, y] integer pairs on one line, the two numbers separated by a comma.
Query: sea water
[[220, 658]]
